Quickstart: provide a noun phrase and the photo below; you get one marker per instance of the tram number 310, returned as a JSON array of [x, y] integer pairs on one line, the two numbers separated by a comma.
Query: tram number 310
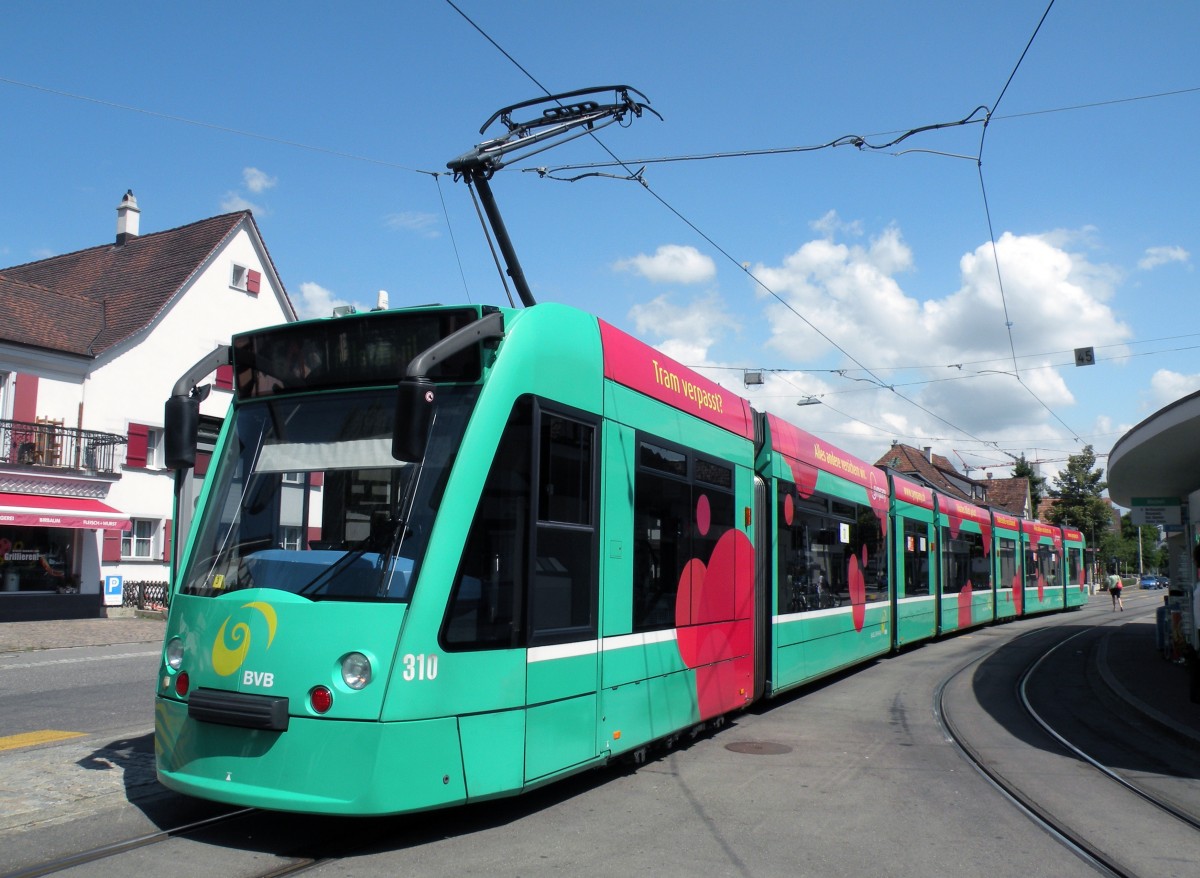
[[420, 667]]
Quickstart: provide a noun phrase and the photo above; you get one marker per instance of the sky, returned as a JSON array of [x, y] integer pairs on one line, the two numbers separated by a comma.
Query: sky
[[931, 292]]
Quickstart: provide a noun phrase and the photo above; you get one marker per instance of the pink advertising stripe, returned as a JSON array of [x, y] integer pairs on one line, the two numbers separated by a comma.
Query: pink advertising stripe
[[639, 367]]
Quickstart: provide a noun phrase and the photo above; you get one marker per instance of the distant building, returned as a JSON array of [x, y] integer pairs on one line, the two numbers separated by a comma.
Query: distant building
[[934, 470], [1012, 495], [922, 465], [90, 346]]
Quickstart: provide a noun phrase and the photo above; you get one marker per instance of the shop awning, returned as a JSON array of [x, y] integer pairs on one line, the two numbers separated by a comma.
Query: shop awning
[[41, 510]]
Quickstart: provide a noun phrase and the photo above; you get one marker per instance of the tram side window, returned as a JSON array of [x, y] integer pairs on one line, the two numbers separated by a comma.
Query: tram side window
[[485, 607], [1008, 562], [662, 509], [673, 491], [916, 558], [963, 562], [1074, 566], [564, 569], [1048, 564], [817, 548]]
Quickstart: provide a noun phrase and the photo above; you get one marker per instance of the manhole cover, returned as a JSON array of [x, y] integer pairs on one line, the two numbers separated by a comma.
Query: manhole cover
[[758, 748]]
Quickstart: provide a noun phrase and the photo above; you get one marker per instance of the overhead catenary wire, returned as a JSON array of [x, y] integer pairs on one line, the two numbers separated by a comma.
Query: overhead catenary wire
[[992, 116], [847, 140], [928, 367]]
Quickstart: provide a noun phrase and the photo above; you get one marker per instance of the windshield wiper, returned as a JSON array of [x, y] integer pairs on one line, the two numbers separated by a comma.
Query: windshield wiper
[[382, 537]]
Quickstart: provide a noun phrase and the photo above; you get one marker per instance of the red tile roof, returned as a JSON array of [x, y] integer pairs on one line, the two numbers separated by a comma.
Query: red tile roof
[[35, 316], [936, 473], [86, 302], [1011, 495]]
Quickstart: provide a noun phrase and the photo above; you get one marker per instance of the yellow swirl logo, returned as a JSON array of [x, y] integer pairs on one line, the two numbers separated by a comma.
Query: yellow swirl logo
[[228, 657]]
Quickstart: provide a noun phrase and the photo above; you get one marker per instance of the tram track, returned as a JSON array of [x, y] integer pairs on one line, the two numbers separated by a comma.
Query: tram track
[[118, 848], [1109, 818], [113, 856], [1155, 799]]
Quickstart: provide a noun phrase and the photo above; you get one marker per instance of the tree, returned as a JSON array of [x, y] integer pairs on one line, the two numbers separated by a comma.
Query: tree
[[1024, 469], [1123, 547], [1077, 490]]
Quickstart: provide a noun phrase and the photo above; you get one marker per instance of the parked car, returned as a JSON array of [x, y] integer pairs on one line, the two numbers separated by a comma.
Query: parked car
[[1149, 581]]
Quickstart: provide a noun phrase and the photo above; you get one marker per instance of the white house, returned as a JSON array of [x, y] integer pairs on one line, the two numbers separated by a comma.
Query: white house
[[91, 344]]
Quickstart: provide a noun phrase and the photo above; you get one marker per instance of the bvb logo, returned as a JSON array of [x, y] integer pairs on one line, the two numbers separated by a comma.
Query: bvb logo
[[227, 659]]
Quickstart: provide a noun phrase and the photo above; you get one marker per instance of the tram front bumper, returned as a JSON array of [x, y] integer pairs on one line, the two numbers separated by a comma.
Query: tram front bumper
[[323, 766]]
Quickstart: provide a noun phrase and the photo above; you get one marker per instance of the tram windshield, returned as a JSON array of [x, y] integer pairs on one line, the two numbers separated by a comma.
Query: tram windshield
[[306, 497]]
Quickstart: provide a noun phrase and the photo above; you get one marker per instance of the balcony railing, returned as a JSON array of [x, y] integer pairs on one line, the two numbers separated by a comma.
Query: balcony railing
[[50, 444]]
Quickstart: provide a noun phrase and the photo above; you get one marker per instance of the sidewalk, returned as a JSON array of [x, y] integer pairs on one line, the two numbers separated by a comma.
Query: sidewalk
[[57, 634], [1140, 674]]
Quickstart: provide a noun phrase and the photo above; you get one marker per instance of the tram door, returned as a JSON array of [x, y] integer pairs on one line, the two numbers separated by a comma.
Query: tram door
[[562, 658]]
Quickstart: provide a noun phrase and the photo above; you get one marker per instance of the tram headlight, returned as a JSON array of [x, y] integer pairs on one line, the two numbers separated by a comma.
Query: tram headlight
[[174, 653], [356, 670]]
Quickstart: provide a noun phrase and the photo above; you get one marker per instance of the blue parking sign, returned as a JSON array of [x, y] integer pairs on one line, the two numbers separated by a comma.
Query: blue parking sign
[[113, 591]]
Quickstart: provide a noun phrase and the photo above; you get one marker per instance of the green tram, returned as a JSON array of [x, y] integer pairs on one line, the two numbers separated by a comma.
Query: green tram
[[445, 554]]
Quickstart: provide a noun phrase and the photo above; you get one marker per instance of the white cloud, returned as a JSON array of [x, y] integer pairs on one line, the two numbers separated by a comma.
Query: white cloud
[[424, 224], [316, 301], [830, 224], [856, 295], [1156, 256], [1166, 387], [687, 331], [234, 201], [672, 263], [258, 181]]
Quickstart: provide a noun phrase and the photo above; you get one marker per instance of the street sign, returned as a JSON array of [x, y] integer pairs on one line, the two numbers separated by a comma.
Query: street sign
[[113, 591], [1085, 356], [1156, 510]]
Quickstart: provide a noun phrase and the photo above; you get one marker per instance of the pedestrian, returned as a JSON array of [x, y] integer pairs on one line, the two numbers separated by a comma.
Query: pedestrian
[[1114, 589]]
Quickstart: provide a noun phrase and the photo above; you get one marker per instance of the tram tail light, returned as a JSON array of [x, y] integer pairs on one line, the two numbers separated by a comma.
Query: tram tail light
[[320, 698], [181, 684]]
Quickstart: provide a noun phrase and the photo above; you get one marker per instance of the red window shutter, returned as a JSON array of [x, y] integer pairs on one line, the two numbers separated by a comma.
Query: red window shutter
[[316, 480], [253, 281], [202, 460], [167, 531], [314, 536], [224, 377], [25, 393], [111, 550], [135, 451]]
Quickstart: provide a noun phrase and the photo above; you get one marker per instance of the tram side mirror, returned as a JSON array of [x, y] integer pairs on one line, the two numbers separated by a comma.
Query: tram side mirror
[[181, 429], [414, 413]]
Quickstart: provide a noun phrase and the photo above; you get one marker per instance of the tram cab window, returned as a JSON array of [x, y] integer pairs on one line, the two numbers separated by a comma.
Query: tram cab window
[[818, 540], [528, 572], [683, 504]]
